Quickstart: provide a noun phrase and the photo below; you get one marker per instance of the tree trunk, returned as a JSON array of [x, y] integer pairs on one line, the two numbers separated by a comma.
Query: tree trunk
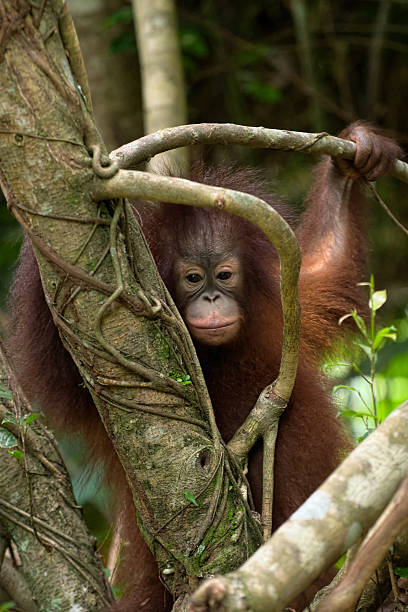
[[118, 328], [164, 98]]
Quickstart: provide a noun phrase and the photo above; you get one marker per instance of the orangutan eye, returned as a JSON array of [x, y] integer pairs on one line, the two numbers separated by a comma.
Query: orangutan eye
[[224, 275], [194, 278]]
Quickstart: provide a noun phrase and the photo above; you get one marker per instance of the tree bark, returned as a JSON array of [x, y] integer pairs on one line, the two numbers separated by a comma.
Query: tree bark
[[334, 517], [124, 334], [39, 515]]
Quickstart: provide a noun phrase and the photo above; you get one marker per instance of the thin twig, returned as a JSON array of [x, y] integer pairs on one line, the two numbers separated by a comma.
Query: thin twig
[[385, 207]]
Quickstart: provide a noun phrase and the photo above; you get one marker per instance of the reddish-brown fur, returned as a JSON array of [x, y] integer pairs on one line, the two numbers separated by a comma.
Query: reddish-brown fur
[[310, 440]]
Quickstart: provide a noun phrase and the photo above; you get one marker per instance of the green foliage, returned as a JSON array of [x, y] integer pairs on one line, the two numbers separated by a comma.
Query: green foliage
[[125, 42], [194, 48], [117, 592], [17, 453], [401, 571], [5, 393], [253, 55], [122, 15], [263, 92], [31, 417], [190, 498], [21, 422], [8, 439], [193, 42], [11, 418], [7, 605], [340, 562], [184, 379], [368, 405]]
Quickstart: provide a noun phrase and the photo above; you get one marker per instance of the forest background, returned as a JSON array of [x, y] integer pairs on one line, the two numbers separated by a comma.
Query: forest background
[[296, 65]]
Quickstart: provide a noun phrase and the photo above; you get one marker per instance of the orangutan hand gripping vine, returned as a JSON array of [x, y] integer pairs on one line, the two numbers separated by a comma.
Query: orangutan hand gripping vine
[[224, 277]]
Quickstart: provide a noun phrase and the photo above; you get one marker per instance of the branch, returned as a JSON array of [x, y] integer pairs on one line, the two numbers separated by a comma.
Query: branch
[[373, 550], [133, 153], [321, 530], [264, 418]]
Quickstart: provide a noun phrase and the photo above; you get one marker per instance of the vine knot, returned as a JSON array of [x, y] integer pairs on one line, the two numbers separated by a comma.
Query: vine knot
[[102, 165]]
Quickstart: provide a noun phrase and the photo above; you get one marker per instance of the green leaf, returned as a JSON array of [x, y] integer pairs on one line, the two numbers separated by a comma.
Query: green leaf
[[11, 418], [31, 417], [7, 605], [5, 393], [337, 387], [386, 332], [18, 454], [359, 321], [355, 414], [341, 561], [378, 299], [401, 571], [184, 379], [7, 440], [190, 498], [364, 347]]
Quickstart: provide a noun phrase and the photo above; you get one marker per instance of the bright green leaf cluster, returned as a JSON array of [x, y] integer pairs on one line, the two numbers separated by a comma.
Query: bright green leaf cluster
[[372, 340], [184, 379]]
